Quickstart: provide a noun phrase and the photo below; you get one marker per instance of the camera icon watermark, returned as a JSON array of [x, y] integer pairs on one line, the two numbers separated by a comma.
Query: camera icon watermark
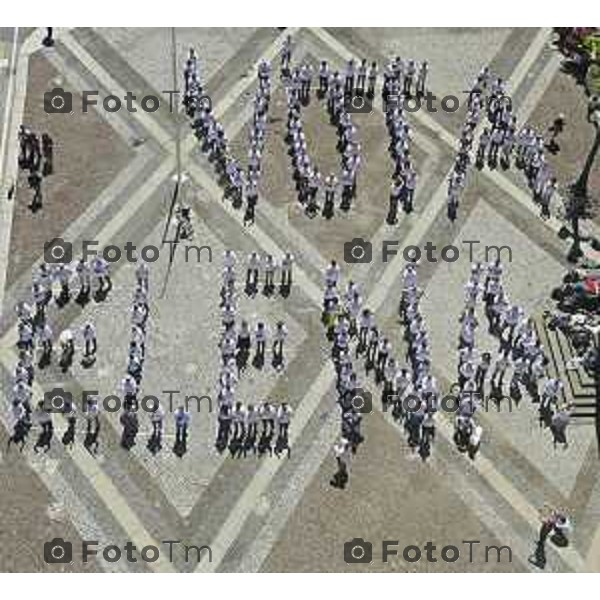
[[361, 401], [357, 103], [358, 551], [58, 551], [57, 101], [57, 400], [57, 251], [358, 250]]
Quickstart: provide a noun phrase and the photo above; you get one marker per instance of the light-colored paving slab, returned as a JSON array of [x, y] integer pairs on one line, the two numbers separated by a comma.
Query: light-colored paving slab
[[447, 76], [150, 49]]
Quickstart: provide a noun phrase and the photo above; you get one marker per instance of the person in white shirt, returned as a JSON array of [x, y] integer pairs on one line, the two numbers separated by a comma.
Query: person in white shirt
[[260, 337], [83, 271], [23, 310], [323, 78], [551, 390], [252, 416], [238, 417], [130, 389], [286, 271], [44, 420], [243, 337], [270, 267], [279, 336], [182, 419], [372, 80], [229, 259], [342, 451], [252, 270], [157, 417], [67, 347], [422, 78], [228, 346], [267, 417], [142, 274], [226, 395], [63, 274], [332, 274], [101, 273], [467, 335], [45, 337], [284, 415], [559, 423], [25, 332], [139, 315], [140, 295], [474, 441], [366, 323], [89, 338]]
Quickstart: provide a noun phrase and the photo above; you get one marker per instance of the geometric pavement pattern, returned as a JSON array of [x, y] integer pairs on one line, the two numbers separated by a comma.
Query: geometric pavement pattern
[[142, 499]]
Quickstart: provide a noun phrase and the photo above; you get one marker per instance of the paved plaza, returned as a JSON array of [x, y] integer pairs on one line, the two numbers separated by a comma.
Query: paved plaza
[[113, 182]]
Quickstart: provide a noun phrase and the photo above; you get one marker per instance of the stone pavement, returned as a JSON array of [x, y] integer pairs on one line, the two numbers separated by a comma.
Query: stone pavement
[[267, 513]]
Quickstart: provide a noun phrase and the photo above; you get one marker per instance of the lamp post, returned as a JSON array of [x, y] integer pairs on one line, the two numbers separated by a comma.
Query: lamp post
[[578, 191]]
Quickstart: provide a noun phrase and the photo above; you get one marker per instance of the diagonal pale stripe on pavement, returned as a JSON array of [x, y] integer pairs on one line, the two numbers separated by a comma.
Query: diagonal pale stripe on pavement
[[527, 61], [268, 535], [118, 121], [267, 471], [109, 494], [536, 93], [592, 561], [109, 83]]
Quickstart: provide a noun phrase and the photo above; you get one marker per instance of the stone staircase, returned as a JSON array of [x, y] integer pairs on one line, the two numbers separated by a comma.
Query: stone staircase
[[579, 387]]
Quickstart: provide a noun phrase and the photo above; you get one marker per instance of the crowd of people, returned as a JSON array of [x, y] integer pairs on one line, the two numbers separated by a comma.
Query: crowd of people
[[354, 334], [520, 350], [237, 422], [402, 80], [267, 264], [131, 382], [240, 185], [310, 183], [502, 143], [36, 157], [50, 289], [409, 388]]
